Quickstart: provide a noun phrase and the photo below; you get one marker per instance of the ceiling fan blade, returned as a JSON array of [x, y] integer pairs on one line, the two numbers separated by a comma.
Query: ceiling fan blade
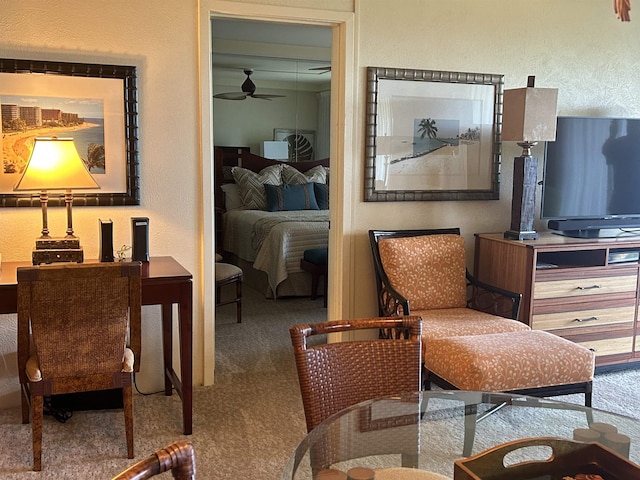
[[231, 96], [321, 69], [264, 96]]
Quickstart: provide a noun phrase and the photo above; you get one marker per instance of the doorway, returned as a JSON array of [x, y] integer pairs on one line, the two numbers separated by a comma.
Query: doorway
[[343, 65], [272, 87]]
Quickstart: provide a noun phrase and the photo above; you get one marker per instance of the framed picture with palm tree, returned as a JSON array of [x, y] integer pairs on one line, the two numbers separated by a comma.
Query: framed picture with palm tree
[[432, 135]]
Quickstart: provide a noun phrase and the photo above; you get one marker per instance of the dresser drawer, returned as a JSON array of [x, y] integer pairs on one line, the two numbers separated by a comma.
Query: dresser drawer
[[610, 346], [587, 286], [578, 317]]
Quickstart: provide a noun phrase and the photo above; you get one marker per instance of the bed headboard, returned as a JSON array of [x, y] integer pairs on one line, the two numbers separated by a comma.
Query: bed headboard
[[229, 157]]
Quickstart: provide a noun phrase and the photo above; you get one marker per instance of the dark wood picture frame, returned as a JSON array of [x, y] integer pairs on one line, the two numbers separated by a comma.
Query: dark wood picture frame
[[402, 106], [131, 193]]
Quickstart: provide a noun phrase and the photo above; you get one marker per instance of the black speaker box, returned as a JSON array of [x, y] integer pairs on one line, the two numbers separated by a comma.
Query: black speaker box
[[140, 239], [106, 241]]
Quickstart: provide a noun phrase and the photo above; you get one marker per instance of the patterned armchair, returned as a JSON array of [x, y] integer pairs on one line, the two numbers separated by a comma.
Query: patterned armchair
[[424, 272], [471, 339]]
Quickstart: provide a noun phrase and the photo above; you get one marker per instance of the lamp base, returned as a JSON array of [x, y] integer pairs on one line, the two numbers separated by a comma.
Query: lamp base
[[62, 243], [52, 255], [521, 235]]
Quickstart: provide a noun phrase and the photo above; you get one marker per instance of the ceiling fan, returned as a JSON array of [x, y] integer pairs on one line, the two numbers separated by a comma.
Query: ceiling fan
[[248, 90]]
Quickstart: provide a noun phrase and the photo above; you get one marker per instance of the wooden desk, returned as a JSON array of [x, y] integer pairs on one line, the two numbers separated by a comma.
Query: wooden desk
[[164, 282]]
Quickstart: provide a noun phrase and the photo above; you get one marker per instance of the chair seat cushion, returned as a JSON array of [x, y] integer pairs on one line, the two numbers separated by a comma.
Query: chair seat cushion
[[225, 271], [317, 256], [509, 361], [35, 375], [451, 322]]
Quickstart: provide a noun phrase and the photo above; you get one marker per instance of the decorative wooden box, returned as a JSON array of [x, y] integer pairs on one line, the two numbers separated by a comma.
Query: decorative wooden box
[[568, 460]]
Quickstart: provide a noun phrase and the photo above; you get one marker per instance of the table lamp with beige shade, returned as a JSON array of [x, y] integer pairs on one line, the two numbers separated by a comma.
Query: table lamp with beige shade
[[529, 116], [55, 164]]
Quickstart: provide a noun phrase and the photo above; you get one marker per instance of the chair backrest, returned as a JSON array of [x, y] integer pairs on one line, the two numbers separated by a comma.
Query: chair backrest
[[79, 317], [336, 375], [179, 457], [425, 267]]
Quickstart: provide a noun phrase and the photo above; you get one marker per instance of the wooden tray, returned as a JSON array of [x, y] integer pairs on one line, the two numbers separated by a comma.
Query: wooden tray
[[568, 459]]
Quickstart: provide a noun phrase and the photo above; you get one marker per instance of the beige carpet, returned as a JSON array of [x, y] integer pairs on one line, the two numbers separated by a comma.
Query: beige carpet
[[245, 426]]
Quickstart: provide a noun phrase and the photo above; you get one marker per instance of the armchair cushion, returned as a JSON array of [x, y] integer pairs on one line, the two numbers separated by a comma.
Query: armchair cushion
[[429, 270]]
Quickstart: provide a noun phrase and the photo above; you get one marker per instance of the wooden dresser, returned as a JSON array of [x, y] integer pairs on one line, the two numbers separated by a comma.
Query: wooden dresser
[[585, 290]]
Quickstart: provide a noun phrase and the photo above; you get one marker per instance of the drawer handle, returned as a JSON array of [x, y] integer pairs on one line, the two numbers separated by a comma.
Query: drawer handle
[[588, 319], [588, 288]]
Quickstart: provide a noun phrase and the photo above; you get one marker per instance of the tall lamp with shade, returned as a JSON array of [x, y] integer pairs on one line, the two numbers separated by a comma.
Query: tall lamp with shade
[[54, 164], [529, 116]]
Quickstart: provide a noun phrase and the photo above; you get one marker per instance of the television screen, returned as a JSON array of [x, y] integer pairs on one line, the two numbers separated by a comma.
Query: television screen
[[592, 172]]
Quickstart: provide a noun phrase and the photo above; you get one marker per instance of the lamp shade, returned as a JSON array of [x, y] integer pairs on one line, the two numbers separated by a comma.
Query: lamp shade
[[529, 114], [55, 165]]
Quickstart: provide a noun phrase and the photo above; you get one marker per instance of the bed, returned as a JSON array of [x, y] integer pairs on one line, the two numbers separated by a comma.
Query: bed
[[270, 213]]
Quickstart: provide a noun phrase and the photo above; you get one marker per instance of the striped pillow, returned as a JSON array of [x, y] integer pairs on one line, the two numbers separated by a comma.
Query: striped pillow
[[292, 175], [251, 185]]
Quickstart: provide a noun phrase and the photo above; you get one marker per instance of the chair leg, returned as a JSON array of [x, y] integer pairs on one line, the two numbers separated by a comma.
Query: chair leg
[[127, 400], [326, 288], [25, 404], [37, 406], [588, 394], [314, 286], [239, 301], [470, 414]]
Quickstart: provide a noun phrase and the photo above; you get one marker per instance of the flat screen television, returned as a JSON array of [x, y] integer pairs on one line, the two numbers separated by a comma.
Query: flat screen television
[[591, 181]]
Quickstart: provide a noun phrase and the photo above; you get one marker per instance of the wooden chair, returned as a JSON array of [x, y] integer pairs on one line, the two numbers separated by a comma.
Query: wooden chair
[[337, 375], [466, 344], [179, 457], [228, 274], [73, 324]]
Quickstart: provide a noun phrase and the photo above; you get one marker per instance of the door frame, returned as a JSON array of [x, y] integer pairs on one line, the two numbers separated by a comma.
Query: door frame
[[342, 75]]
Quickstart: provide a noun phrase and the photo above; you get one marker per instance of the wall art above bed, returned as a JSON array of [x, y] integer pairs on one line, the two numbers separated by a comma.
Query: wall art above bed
[[432, 135]]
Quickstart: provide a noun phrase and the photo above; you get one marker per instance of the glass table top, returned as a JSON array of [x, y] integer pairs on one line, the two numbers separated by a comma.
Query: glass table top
[[429, 430]]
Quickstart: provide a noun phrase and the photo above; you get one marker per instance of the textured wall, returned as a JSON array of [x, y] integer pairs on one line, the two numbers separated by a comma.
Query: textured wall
[[577, 46], [159, 38]]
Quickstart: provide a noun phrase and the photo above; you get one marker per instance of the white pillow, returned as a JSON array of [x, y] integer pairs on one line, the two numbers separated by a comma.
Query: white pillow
[[232, 198], [251, 185]]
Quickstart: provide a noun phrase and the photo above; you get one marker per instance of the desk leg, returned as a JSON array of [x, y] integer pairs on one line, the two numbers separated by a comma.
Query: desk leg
[[167, 343], [186, 354], [184, 384]]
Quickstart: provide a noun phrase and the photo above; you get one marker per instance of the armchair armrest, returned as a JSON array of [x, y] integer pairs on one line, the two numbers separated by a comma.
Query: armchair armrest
[[390, 302], [491, 299]]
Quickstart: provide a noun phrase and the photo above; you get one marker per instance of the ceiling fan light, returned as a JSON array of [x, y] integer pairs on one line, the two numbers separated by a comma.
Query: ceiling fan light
[[248, 86]]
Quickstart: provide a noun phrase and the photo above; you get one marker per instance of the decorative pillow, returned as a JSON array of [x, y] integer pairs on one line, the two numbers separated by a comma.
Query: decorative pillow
[[292, 175], [428, 270], [321, 191], [290, 197], [232, 198], [251, 184]]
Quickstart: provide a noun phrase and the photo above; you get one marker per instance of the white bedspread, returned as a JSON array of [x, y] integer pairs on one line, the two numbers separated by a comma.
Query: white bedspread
[[279, 242]]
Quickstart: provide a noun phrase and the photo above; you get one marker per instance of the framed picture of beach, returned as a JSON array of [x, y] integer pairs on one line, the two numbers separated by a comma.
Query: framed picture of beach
[[432, 135], [94, 104]]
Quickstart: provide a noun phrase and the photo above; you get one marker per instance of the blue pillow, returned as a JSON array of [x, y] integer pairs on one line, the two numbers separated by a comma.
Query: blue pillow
[[290, 197], [321, 191]]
